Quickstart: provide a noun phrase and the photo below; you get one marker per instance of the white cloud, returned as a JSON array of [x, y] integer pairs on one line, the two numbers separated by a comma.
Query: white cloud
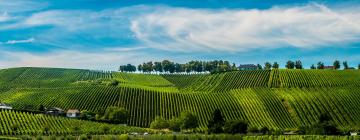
[[15, 6], [30, 40], [104, 60], [309, 26], [5, 17]]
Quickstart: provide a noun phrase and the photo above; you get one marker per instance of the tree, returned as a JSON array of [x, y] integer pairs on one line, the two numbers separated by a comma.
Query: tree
[[264, 130], [87, 115], [359, 66], [159, 123], [320, 65], [175, 124], [345, 65], [233, 67], [298, 64], [158, 67], [216, 122], [312, 66], [116, 115], [236, 126], [259, 67], [290, 64], [275, 65], [336, 64], [140, 68], [189, 120], [267, 66], [41, 108], [327, 127]]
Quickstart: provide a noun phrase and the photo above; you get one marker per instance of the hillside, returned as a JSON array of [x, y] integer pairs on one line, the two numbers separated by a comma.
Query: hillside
[[278, 99]]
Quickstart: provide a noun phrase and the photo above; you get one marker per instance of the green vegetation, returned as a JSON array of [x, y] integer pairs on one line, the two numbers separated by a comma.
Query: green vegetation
[[21, 123], [276, 100]]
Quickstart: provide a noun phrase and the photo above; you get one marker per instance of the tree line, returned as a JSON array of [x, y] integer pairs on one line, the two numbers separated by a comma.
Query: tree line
[[216, 66]]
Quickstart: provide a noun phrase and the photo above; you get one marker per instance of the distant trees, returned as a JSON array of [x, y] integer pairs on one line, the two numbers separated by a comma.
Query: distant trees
[[312, 66], [275, 65], [159, 123], [192, 66], [298, 64], [290, 64], [127, 68], [267, 66], [214, 66], [336, 64], [359, 66], [116, 115], [324, 126], [320, 65], [345, 64], [185, 121], [217, 125], [236, 126]]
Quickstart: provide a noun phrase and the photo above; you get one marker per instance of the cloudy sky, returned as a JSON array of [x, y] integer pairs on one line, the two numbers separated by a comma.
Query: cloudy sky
[[102, 34]]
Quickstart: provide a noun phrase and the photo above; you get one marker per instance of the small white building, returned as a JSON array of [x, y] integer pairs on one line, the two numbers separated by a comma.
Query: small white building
[[5, 106], [353, 133], [73, 113]]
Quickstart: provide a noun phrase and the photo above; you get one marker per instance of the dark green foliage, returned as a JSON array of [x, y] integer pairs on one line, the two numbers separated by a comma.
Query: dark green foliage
[[345, 64], [298, 64], [216, 122], [264, 130], [320, 65], [42, 108], [259, 66], [267, 66], [87, 115], [275, 65], [312, 66], [188, 120], [115, 115], [336, 64], [127, 68], [235, 126], [114, 83], [253, 130], [290, 64], [175, 124], [159, 123]]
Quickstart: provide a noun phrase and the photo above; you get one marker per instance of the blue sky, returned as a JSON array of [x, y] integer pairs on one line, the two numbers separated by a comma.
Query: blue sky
[[103, 34]]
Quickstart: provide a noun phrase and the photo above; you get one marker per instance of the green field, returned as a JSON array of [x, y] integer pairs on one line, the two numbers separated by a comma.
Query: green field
[[278, 99]]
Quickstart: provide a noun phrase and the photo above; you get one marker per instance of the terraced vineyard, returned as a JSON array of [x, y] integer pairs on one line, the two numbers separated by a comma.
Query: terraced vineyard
[[33, 124], [277, 99]]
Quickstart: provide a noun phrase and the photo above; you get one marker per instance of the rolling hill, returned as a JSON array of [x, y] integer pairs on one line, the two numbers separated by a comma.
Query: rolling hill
[[278, 99]]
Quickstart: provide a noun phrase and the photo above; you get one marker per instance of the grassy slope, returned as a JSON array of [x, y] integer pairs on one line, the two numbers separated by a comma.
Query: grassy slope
[[32, 124], [276, 99]]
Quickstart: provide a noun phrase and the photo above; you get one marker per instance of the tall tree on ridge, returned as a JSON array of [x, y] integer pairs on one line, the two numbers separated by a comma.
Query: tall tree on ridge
[[336, 64]]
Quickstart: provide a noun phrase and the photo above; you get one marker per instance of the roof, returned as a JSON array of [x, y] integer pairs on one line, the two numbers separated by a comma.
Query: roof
[[248, 66], [3, 104], [328, 67], [55, 108], [73, 111]]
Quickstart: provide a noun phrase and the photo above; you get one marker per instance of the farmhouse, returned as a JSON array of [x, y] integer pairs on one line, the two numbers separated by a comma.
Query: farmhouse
[[5, 106], [328, 67], [73, 113], [54, 111], [248, 67]]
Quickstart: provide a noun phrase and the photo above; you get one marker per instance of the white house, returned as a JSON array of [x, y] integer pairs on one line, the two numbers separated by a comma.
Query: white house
[[4, 106], [73, 113], [353, 134]]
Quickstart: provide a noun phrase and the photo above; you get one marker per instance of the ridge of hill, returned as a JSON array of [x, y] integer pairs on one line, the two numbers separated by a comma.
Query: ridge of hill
[[277, 99]]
